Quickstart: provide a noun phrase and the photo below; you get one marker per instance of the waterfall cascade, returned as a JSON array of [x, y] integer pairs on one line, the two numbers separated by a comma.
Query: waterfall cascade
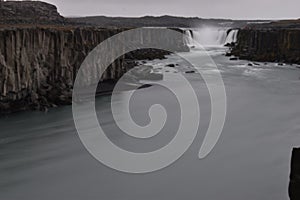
[[232, 36], [210, 36]]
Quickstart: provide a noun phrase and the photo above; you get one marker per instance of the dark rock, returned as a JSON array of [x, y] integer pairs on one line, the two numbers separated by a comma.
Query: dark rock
[[233, 58], [190, 72], [228, 54], [230, 44], [294, 187], [145, 86], [268, 44], [250, 64], [170, 65], [40, 56], [40, 63]]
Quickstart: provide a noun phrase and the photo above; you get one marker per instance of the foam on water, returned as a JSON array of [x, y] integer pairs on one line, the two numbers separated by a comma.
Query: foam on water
[[210, 36]]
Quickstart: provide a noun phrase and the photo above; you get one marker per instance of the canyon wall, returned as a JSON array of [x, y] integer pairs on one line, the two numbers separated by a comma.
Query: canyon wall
[[38, 65], [268, 45]]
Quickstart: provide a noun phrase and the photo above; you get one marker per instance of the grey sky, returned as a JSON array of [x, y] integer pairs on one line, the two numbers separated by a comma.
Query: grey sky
[[235, 9]]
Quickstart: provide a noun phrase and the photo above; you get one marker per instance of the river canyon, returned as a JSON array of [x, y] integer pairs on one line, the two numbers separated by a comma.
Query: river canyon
[[42, 156]]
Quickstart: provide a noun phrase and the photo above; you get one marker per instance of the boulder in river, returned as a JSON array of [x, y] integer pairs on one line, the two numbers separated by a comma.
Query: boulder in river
[[170, 65], [190, 72]]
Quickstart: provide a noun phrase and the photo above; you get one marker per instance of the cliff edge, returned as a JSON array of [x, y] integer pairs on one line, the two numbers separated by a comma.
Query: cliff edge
[[40, 55], [273, 42]]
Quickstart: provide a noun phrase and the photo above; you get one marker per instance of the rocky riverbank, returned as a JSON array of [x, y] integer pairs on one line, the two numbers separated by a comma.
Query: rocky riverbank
[[39, 65], [41, 52], [273, 42]]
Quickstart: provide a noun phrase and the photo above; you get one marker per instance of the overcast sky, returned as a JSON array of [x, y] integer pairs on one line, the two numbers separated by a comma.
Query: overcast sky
[[235, 9]]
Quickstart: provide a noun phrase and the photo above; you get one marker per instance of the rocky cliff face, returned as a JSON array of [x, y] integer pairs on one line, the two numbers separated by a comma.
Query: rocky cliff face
[[38, 66], [269, 44], [41, 52]]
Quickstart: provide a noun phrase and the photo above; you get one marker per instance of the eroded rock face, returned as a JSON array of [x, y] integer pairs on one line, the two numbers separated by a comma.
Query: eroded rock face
[[38, 65], [269, 45]]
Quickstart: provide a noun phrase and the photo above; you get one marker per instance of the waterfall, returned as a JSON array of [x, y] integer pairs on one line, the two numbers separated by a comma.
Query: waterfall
[[232, 36], [210, 36]]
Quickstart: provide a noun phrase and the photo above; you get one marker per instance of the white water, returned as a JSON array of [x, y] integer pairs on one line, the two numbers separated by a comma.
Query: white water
[[232, 37], [210, 36]]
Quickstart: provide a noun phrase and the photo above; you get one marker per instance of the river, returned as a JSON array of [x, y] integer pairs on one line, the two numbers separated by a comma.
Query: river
[[42, 157]]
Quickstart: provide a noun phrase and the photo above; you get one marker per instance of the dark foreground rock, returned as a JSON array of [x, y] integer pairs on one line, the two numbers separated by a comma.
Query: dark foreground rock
[[294, 188]]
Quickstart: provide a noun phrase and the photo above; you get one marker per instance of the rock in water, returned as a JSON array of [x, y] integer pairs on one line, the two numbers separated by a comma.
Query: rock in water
[[170, 65], [294, 188], [190, 72]]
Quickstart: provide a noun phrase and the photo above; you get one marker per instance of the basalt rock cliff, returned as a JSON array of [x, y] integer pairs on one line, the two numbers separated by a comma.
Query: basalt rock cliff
[[274, 42], [38, 65], [40, 55]]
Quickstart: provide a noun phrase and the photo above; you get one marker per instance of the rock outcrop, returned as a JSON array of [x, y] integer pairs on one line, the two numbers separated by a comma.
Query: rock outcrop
[[269, 43], [38, 65], [294, 188], [41, 53], [29, 12]]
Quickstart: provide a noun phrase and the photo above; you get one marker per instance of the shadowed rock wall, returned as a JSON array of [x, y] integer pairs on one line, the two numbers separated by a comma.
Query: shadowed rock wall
[[268, 45], [38, 65]]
